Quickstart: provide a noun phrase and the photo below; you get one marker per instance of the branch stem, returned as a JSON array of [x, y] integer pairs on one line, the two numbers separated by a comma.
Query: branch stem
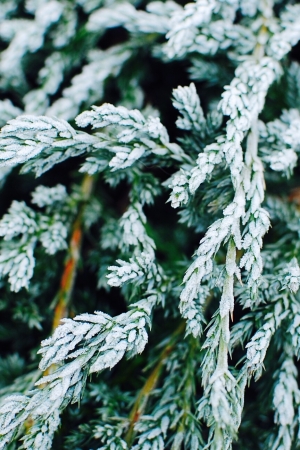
[[150, 384], [71, 264]]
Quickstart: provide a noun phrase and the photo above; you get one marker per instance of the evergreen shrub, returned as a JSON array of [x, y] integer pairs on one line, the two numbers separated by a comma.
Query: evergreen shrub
[[150, 223]]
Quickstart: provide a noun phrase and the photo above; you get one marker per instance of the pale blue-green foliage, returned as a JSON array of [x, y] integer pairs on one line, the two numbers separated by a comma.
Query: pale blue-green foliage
[[44, 196], [8, 111], [280, 141], [101, 342], [132, 135], [28, 38], [139, 269], [42, 433], [207, 27], [174, 409], [231, 261], [26, 138], [286, 397], [293, 80], [87, 86], [110, 436], [109, 424], [45, 142], [22, 228], [278, 289], [187, 102], [156, 18], [125, 333], [132, 224], [7, 8], [59, 23]]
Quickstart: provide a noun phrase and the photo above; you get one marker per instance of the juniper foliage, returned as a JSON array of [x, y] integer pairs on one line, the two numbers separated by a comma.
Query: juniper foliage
[[114, 114]]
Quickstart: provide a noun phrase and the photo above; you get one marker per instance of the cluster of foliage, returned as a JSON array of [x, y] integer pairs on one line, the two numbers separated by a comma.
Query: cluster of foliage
[[142, 128]]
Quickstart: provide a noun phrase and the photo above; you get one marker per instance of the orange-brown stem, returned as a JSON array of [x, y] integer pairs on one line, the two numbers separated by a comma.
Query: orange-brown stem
[[150, 384], [68, 277]]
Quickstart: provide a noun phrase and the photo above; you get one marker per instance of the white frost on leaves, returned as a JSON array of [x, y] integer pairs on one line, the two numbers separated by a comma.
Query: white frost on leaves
[[139, 269], [8, 111], [12, 414], [186, 100], [132, 135], [259, 343], [219, 231], [98, 339], [184, 182], [134, 233], [227, 298], [219, 410], [184, 26], [7, 8], [125, 156], [280, 141], [48, 140], [288, 33], [107, 114], [294, 330], [292, 276], [88, 86], [292, 135], [252, 243], [133, 124], [110, 437], [53, 238], [21, 227], [40, 436], [29, 37], [179, 185], [249, 7], [286, 398], [93, 342], [205, 27], [257, 347], [46, 196], [135, 21], [283, 161], [18, 263], [242, 101], [192, 312], [285, 390], [205, 164], [19, 219]]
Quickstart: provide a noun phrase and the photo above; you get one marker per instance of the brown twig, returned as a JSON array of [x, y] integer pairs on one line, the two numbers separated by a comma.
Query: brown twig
[[68, 277], [150, 384]]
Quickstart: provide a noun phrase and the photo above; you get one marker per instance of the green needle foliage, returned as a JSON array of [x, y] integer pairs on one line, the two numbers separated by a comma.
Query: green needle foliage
[[150, 224]]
